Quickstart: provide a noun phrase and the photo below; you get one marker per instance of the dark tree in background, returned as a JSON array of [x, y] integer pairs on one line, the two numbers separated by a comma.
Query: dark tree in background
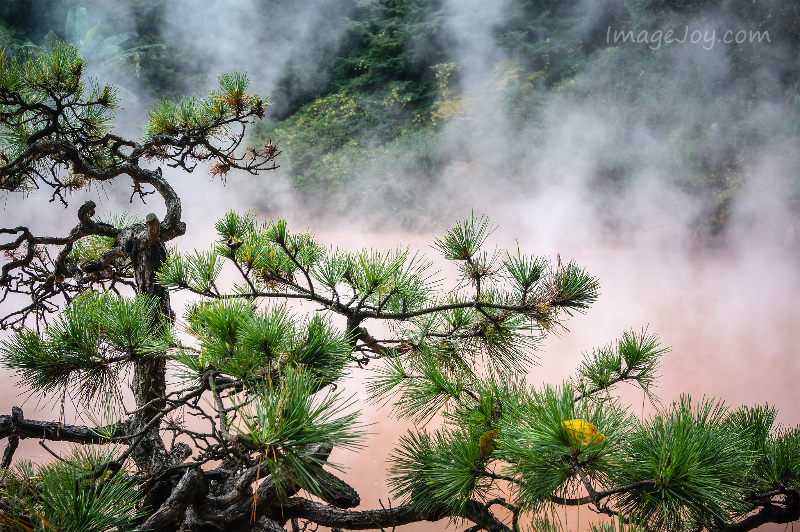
[[233, 421]]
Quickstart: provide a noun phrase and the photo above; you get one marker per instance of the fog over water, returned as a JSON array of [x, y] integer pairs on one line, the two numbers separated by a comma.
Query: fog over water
[[727, 306]]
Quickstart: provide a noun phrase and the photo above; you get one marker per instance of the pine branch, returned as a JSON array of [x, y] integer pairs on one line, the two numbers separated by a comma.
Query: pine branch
[[771, 513], [17, 425]]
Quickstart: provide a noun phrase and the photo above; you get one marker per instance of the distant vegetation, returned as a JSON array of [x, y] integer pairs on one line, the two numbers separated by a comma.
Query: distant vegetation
[[394, 79]]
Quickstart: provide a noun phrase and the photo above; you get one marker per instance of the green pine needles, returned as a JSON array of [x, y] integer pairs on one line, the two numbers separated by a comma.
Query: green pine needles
[[285, 417], [84, 352], [52, 75], [263, 377], [79, 494], [697, 462], [463, 356], [239, 340], [208, 115]]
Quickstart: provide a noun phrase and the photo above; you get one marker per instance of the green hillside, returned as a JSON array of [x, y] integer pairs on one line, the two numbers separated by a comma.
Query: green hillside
[[398, 98]]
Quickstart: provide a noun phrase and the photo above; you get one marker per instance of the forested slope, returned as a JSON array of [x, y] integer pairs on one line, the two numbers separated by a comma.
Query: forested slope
[[393, 93]]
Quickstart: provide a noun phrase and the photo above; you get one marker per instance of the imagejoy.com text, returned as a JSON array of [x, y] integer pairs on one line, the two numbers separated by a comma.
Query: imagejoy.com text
[[655, 39]]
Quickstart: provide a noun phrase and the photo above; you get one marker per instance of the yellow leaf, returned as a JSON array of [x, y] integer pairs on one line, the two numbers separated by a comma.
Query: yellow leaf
[[582, 432], [487, 443]]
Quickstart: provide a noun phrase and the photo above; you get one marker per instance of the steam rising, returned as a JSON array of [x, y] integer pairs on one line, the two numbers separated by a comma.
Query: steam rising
[[607, 181]]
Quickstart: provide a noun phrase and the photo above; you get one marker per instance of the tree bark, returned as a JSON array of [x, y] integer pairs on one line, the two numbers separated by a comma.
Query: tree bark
[[771, 513], [16, 425], [147, 253], [385, 518]]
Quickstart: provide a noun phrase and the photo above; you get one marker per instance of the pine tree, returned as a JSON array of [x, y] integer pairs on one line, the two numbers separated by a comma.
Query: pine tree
[[262, 378]]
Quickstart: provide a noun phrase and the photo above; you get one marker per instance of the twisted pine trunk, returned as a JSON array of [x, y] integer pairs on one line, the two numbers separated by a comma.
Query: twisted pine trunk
[[147, 253]]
